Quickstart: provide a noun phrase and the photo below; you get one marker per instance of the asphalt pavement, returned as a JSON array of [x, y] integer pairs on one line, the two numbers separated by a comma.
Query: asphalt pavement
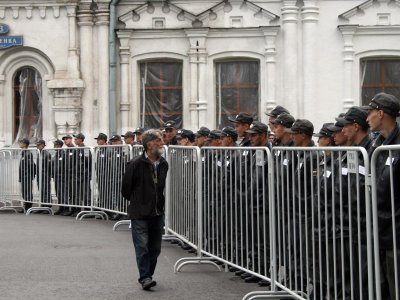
[[55, 257]]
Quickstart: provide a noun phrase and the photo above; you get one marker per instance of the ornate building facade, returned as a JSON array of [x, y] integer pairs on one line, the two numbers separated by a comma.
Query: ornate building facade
[[109, 66]]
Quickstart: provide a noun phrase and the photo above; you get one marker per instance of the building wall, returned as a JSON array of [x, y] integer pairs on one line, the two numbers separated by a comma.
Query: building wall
[[309, 53]]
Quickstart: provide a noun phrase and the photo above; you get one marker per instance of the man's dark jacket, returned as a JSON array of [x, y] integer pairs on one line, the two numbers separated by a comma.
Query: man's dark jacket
[[383, 189], [143, 189]]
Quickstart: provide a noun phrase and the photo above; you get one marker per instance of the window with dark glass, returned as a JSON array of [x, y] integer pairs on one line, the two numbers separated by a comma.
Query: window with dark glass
[[379, 75], [237, 89], [27, 105], [161, 93]]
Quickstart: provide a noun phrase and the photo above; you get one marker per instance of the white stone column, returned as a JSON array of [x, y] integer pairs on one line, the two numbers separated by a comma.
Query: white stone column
[[290, 56], [309, 14], [102, 22], [270, 34], [348, 32], [3, 111], [124, 38], [73, 59], [198, 77], [85, 22]]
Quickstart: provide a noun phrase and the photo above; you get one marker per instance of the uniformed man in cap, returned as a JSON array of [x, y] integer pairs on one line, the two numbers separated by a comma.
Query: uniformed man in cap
[[185, 137], [257, 204], [279, 124], [301, 204], [59, 175], [129, 138], [382, 113], [201, 136], [69, 181], [26, 173], [83, 174], [102, 158], [242, 123], [273, 114], [138, 134], [170, 133], [101, 139], [44, 178]]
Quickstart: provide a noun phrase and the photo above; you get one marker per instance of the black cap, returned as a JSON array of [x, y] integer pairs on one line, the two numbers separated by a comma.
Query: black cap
[[229, 131], [115, 137], [355, 115], [101, 136], [301, 126], [41, 142], [284, 119], [139, 130], [68, 136], [186, 134], [386, 102], [24, 141], [79, 136], [203, 131], [170, 124], [215, 134], [258, 127], [128, 134], [277, 111], [242, 118], [58, 142], [325, 130]]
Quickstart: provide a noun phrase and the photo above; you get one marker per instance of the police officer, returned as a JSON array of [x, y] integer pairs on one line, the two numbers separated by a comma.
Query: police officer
[[68, 175], [129, 138], [170, 133], [242, 123], [27, 173], [138, 135], [101, 169], [59, 175], [45, 164], [201, 136], [273, 114], [185, 137], [382, 112], [279, 124], [300, 220]]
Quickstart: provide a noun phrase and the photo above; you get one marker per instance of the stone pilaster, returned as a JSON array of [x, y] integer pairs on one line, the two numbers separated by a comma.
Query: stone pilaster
[[73, 59], [124, 52], [348, 32]]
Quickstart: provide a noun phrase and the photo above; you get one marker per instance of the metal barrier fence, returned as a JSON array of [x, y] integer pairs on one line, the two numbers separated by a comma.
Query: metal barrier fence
[[19, 180], [385, 177]]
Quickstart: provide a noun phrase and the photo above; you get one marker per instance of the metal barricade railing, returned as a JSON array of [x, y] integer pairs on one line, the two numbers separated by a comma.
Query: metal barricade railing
[[323, 222], [385, 178], [19, 180]]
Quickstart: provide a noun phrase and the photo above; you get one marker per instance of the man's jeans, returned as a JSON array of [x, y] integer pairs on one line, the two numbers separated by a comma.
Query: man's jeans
[[146, 236]]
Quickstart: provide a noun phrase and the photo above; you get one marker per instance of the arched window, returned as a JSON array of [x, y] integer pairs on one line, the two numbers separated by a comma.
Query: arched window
[[160, 93], [27, 104], [237, 89]]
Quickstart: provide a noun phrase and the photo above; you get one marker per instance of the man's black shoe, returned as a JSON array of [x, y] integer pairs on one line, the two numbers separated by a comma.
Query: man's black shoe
[[239, 273], [245, 275], [232, 269], [252, 279], [147, 284], [186, 247], [67, 213], [174, 242], [263, 283], [192, 250]]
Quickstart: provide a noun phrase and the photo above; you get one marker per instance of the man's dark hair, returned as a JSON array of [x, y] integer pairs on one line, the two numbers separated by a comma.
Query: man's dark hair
[[150, 135]]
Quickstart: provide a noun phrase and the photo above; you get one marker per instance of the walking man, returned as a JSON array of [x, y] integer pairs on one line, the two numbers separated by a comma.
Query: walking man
[[143, 185]]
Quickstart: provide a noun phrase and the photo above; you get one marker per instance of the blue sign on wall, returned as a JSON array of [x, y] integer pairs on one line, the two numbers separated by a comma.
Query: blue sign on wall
[[4, 28], [10, 41]]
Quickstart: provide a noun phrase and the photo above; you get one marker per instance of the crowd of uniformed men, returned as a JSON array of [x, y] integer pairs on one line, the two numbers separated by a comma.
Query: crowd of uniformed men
[[367, 127]]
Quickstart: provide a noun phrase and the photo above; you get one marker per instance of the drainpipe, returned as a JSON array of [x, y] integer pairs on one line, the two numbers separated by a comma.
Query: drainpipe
[[113, 68]]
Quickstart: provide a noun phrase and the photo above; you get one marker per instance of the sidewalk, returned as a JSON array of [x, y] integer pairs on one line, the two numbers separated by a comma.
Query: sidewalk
[[53, 257]]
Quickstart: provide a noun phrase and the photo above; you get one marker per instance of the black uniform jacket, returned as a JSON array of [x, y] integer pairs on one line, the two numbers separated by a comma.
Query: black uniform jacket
[[144, 187], [383, 190]]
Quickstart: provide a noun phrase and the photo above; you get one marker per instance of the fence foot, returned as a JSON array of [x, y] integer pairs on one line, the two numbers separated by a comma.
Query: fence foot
[[269, 295], [89, 213], [119, 223], [193, 261], [8, 208], [33, 209]]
